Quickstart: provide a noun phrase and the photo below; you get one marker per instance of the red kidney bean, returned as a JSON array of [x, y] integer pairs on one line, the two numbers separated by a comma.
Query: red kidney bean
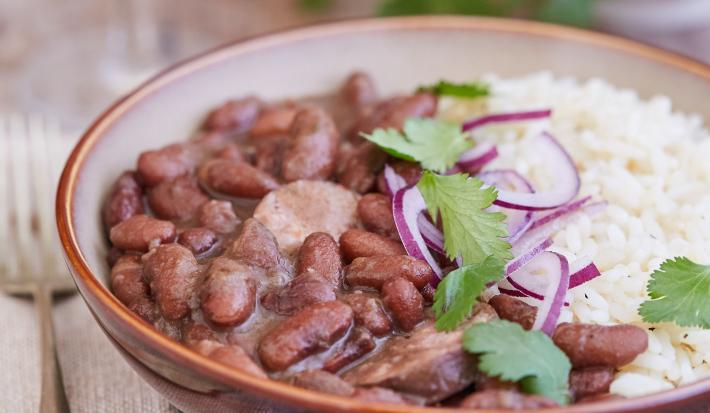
[[234, 115], [507, 400], [231, 152], [484, 382], [171, 270], [411, 172], [219, 216], [358, 343], [368, 313], [359, 167], [356, 243], [589, 345], [113, 255], [320, 255], [428, 293], [359, 90], [269, 153], [314, 146], [230, 355], [236, 178], [124, 201], [141, 232], [379, 395], [392, 112], [304, 290], [323, 382], [228, 294], [165, 164], [307, 332], [374, 271], [274, 120], [590, 381], [512, 309], [405, 303], [375, 212], [192, 333], [255, 246], [198, 240], [128, 286], [177, 200]]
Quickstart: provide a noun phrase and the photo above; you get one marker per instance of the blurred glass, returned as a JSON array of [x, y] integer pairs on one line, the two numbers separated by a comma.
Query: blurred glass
[[99, 52], [72, 58]]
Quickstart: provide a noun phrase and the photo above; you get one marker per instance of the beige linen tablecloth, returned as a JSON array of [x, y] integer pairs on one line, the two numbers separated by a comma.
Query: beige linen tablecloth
[[96, 378]]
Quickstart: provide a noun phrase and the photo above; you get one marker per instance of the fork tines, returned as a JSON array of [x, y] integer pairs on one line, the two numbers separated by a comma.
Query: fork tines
[[31, 155]]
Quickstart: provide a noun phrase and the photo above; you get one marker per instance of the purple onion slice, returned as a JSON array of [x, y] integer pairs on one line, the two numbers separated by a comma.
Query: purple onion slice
[[556, 268], [407, 205], [505, 117], [564, 190]]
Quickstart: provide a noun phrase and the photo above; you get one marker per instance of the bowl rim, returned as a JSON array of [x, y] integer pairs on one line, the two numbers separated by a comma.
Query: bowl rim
[[233, 379]]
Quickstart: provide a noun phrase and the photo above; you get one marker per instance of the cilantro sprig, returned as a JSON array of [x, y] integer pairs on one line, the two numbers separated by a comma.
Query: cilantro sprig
[[680, 293], [508, 351], [471, 90], [435, 144], [456, 294], [469, 230]]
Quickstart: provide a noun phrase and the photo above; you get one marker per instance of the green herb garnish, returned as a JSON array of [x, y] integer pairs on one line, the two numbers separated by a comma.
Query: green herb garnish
[[469, 230], [680, 292], [456, 294], [435, 144], [460, 90], [507, 351]]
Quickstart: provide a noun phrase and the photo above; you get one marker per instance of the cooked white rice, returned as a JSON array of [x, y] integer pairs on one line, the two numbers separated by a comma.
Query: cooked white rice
[[653, 167]]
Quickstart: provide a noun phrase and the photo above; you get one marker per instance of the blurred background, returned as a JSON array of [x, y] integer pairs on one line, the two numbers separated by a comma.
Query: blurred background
[[70, 58]]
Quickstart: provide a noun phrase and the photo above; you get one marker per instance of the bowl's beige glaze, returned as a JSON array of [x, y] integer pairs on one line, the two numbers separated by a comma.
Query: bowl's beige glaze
[[401, 53]]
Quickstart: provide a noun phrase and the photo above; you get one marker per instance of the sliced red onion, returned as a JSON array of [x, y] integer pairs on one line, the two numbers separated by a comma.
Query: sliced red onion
[[583, 275], [474, 159], [511, 292], [407, 204], [517, 220], [564, 190], [505, 117], [545, 226], [520, 261], [556, 268], [393, 181], [433, 237]]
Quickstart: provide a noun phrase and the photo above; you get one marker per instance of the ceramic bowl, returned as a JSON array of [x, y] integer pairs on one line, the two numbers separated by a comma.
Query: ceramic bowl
[[400, 53]]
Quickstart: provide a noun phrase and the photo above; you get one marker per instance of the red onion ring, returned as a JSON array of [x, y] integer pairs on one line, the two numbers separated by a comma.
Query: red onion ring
[[558, 283], [520, 261], [407, 205], [474, 159], [517, 220], [433, 237], [583, 275], [505, 117], [393, 181], [565, 189], [547, 225]]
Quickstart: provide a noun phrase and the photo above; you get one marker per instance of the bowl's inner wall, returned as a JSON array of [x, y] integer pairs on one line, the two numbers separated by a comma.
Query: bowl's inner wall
[[298, 65]]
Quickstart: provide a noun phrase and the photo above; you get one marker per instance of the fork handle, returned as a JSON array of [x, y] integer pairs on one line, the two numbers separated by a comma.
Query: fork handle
[[53, 398]]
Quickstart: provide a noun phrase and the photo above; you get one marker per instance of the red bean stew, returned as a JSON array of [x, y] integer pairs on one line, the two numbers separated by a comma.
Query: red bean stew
[[267, 242]]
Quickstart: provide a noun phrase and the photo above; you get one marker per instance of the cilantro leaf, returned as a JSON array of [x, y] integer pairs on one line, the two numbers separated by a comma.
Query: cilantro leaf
[[457, 292], [680, 292], [507, 351], [469, 230], [435, 144], [461, 90]]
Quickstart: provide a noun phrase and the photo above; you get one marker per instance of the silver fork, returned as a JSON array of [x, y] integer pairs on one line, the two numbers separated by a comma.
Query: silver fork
[[31, 155]]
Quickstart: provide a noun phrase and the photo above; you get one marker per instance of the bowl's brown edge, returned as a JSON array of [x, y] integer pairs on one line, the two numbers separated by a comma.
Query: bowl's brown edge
[[280, 391]]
